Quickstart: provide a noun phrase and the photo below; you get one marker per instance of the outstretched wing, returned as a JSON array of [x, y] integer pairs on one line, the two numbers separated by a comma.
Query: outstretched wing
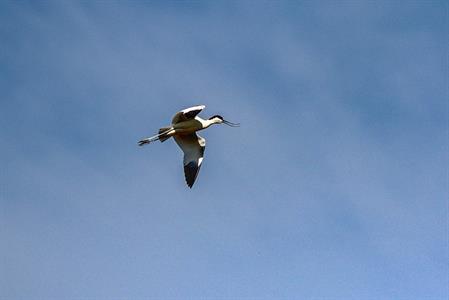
[[193, 147], [187, 114]]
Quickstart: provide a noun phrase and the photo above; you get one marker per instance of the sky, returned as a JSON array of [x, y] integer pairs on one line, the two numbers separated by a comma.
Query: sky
[[334, 187]]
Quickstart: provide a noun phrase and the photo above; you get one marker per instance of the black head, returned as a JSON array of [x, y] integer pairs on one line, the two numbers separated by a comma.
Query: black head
[[216, 116], [223, 121]]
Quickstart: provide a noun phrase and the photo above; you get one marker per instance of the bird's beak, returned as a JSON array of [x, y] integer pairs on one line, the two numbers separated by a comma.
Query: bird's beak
[[231, 124]]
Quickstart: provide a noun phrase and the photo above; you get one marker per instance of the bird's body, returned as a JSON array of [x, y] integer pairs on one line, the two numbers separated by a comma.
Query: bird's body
[[190, 126], [183, 129]]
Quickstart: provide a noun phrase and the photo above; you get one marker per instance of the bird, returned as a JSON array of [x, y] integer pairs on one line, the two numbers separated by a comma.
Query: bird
[[183, 128]]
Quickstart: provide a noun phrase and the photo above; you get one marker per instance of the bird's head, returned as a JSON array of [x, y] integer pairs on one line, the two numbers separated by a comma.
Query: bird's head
[[217, 119]]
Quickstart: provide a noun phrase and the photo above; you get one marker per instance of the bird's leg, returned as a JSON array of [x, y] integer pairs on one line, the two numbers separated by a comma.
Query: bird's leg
[[153, 138], [143, 142]]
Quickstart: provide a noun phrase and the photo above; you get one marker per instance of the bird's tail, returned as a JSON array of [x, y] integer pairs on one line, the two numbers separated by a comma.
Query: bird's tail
[[162, 136]]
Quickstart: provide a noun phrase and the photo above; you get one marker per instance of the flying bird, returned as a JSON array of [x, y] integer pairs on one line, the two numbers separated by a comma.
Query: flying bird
[[183, 129]]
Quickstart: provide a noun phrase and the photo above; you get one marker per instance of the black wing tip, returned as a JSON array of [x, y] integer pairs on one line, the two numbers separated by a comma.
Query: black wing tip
[[190, 172]]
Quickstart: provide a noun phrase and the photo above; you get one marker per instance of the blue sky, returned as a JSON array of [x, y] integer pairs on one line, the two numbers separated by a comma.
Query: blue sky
[[334, 187]]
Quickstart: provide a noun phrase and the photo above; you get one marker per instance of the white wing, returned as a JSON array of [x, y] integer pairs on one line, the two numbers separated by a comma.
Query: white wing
[[193, 147], [187, 114]]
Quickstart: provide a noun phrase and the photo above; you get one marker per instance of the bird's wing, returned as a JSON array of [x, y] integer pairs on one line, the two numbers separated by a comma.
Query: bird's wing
[[193, 147], [187, 114]]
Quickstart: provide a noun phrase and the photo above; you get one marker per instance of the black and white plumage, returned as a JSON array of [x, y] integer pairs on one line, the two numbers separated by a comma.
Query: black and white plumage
[[183, 129], [193, 147], [187, 114]]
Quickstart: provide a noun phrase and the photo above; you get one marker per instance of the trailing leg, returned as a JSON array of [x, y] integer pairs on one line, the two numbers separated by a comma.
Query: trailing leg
[[164, 134]]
